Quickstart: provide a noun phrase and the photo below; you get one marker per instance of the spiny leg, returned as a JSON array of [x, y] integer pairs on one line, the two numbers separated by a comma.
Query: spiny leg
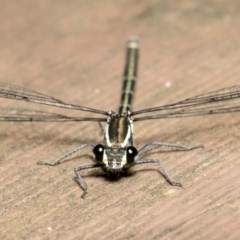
[[101, 127], [152, 145], [81, 181], [161, 169], [68, 154]]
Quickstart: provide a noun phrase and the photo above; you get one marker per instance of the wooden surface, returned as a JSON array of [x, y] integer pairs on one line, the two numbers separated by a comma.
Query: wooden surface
[[75, 51]]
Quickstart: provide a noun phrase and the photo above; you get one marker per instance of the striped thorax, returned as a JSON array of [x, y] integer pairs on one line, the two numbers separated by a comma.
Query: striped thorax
[[117, 153]]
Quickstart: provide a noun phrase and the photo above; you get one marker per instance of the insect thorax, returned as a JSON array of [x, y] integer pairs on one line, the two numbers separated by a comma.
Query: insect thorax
[[117, 140]]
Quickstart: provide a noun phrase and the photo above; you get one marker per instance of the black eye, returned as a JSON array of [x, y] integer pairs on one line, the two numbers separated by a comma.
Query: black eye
[[98, 152], [131, 154]]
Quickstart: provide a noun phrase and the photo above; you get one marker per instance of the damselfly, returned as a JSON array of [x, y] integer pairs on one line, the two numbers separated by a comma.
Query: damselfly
[[117, 153]]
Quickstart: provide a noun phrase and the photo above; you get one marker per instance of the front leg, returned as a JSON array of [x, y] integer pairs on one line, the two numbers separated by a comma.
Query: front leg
[[68, 154], [149, 146], [161, 169], [81, 181]]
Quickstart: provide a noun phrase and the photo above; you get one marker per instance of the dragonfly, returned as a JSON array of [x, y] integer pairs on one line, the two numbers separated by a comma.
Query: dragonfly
[[117, 153]]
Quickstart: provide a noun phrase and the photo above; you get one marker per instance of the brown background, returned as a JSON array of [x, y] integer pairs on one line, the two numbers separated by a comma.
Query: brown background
[[75, 50]]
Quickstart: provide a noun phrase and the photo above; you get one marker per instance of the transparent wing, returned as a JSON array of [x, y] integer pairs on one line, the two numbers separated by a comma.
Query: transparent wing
[[225, 100], [18, 93], [25, 115]]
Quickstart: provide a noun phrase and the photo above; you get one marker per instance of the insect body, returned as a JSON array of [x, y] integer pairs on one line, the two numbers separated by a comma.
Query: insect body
[[117, 153]]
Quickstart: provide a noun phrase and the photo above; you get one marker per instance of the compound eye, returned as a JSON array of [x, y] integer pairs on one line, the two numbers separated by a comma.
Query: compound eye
[[98, 152], [131, 154]]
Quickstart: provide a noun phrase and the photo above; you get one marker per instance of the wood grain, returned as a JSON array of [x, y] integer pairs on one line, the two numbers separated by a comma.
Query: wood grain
[[75, 51]]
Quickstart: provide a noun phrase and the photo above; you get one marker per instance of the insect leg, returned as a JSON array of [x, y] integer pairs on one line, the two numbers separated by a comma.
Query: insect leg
[[68, 154], [152, 145], [81, 181], [161, 169], [101, 127]]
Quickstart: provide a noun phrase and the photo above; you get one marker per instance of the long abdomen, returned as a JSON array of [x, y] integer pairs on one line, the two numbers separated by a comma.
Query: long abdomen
[[130, 75]]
